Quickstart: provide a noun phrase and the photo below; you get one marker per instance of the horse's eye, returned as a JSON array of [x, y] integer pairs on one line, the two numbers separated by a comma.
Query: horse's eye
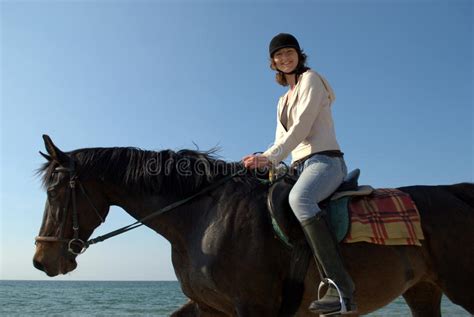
[[52, 193]]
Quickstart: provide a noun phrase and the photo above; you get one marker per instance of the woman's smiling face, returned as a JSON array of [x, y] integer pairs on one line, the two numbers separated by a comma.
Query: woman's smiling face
[[286, 59]]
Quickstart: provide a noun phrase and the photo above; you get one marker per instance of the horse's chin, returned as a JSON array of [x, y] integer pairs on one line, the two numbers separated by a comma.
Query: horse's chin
[[67, 265]]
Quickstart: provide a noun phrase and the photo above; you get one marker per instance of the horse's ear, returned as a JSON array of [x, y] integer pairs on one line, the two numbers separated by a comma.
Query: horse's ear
[[46, 156], [54, 152]]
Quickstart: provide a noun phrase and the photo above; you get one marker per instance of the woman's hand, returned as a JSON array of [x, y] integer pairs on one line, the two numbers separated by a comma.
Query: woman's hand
[[255, 161]]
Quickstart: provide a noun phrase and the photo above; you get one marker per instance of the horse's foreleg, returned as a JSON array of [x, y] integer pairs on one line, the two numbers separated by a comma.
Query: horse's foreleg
[[424, 299]]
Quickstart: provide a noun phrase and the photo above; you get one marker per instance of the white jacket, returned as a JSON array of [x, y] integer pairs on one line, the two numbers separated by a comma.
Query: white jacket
[[310, 125]]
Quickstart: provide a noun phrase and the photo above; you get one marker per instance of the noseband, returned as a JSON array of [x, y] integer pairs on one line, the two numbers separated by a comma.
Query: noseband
[[71, 199]]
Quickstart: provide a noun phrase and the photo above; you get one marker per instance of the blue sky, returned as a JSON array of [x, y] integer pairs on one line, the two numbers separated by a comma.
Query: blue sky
[[163, 74]]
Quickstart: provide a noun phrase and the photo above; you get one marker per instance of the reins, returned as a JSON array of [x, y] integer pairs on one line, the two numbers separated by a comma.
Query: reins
[[71, 198], [161, 211], [158, 212]]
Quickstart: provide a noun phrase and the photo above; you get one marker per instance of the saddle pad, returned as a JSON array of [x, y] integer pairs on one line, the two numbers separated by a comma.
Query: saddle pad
[[387, 216]]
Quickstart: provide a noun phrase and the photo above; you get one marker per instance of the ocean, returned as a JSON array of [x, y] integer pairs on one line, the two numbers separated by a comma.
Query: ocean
[[123, 298]]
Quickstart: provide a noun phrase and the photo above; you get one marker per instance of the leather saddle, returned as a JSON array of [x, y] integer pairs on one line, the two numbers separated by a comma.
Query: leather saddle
[[285, 223]]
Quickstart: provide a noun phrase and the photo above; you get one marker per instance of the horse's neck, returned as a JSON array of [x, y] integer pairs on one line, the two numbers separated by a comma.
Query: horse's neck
[[179, 225], [139, 206]]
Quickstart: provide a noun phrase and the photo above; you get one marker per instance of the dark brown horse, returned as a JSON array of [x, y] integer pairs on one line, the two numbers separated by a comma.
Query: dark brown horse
[[224, 252]]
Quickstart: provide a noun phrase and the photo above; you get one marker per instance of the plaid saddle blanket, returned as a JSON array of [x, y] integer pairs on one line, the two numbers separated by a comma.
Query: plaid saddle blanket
[[387, 216]]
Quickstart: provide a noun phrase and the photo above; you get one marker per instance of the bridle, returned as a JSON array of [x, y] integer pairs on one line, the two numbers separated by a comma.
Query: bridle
[[73, 184], [71, 196]]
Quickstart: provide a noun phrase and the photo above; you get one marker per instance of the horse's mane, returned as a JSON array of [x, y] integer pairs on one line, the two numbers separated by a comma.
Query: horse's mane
[[143, 171]]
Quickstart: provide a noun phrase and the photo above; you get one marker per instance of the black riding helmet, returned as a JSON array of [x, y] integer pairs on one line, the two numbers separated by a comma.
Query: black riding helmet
[[283, 40]]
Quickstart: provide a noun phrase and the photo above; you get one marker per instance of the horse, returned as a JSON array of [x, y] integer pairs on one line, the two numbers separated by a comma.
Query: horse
[[224, 251]]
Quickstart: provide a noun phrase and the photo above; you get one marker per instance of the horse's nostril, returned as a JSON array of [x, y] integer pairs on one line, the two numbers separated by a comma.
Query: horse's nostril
[[38, 265]]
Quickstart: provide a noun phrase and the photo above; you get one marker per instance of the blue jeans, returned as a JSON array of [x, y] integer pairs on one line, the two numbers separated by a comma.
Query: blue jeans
[[318, 177]]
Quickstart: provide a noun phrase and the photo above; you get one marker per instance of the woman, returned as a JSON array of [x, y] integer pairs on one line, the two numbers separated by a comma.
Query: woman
[[305, 128]]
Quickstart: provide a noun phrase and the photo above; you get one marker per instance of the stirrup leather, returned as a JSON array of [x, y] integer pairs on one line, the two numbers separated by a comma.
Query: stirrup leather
[[326, 281]]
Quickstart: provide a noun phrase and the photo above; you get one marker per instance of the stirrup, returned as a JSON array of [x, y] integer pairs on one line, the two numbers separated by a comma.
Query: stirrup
[[343, 309]]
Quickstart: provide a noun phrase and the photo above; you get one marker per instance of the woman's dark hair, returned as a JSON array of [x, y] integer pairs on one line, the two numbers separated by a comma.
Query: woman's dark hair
[[300, 68]]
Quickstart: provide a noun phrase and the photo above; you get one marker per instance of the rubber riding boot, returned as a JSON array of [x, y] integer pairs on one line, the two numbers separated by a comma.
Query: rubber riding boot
[[325, 252]]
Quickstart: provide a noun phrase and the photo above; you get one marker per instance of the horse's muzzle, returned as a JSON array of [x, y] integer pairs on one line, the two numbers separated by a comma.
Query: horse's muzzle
[[38, 265], [50, 258]]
